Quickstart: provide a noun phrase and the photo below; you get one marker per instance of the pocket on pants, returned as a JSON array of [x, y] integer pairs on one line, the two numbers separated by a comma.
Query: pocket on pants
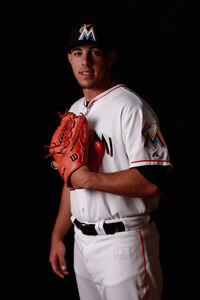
[[122, 252]]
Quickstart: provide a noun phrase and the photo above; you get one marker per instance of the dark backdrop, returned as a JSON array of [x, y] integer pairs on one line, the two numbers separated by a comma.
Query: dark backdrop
[[150, 61]]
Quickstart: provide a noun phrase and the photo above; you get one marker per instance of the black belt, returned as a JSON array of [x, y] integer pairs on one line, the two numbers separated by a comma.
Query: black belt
[[89, 229]]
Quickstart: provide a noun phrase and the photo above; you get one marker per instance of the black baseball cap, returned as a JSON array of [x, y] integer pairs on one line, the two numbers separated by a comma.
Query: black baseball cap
[[95, 34]]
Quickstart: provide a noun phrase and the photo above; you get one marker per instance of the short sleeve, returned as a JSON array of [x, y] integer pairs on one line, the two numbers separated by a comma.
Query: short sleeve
[[142, 138]]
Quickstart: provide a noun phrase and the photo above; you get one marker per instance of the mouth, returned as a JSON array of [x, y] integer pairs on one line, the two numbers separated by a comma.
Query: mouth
[[86, 73]]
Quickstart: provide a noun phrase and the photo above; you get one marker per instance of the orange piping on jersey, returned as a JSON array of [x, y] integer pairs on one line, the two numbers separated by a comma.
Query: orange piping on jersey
[[144, 160], [84, 101], [144, 264]]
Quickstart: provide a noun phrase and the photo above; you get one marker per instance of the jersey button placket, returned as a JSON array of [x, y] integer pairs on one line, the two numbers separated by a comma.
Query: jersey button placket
[[82, 206], [83, 110]]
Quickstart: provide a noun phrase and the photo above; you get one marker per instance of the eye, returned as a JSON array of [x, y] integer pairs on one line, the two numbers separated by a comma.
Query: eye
[[77, 53], [96, 52]]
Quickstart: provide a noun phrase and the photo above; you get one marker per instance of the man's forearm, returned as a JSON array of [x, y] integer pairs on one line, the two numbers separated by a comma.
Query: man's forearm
[[63, 223], [128, 183]]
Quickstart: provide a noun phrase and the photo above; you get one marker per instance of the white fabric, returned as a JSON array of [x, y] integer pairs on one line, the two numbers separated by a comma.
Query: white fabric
[[130, 131], [120, 266]]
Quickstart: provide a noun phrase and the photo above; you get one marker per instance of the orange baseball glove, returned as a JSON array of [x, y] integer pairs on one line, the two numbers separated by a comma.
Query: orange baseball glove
[[72, 147]]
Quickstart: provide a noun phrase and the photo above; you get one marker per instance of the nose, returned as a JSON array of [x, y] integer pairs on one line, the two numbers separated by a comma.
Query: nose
[[87, 60]]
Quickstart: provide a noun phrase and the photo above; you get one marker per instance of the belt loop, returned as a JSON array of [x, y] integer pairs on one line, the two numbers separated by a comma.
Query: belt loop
[[99, 227], [72, 219], [125, 224], [148, 218]]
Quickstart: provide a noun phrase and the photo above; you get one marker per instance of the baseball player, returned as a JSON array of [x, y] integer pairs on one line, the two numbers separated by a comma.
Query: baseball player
[[116, 251]]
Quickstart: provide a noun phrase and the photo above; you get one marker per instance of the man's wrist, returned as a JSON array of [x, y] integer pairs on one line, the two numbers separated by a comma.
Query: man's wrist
[[80, 179], [55, 236], [89, 180]]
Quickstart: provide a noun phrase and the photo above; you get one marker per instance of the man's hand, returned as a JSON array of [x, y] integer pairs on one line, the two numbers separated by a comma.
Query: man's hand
[[78, 178], [57, 258]]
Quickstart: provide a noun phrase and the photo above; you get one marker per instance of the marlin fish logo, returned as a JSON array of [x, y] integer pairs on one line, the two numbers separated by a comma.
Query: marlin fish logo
[[87, 33], [152, 139]]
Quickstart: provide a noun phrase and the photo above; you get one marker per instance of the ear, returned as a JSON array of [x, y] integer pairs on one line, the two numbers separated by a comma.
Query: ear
[[69, 57], [112, 56]]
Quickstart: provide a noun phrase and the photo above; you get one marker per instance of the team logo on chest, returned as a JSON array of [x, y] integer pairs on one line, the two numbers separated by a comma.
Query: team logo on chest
[[87, 33], [152, 137], [108, 146]]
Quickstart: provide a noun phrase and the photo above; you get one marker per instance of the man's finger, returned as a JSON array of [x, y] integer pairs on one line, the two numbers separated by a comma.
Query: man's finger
[[56, 269], [54, 165], [63, 266]]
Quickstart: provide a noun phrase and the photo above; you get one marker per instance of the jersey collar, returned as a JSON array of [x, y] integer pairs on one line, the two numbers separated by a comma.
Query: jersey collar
[[102, 95]]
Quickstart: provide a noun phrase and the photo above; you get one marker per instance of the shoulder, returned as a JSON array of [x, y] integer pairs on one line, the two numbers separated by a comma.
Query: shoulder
[[126, 96], [132, 99], [129, 99], [133, 104]]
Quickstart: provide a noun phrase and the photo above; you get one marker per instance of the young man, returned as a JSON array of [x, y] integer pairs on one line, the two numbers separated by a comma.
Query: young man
[[116, 252]]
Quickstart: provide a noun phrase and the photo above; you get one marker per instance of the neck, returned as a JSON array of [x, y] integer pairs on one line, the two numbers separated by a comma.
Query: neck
[[94, 92]]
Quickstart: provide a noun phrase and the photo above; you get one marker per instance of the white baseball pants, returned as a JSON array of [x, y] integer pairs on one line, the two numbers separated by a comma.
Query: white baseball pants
[[122, 266]]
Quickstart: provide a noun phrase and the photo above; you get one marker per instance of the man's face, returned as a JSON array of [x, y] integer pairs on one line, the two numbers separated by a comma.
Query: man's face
[[90, 65]]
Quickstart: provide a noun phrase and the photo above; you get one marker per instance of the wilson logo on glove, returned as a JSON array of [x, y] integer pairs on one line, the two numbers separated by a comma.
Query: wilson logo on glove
[[74, 157]]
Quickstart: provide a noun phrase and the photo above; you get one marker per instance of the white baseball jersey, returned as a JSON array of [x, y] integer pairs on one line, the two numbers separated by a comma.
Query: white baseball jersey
[[129, 129]]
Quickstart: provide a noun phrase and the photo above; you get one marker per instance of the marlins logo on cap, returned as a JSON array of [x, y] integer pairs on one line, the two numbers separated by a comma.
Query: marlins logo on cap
[[96, 34], [87, 33]]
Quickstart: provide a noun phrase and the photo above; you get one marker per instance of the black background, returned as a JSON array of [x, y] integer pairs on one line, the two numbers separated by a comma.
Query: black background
[[152, 60]]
